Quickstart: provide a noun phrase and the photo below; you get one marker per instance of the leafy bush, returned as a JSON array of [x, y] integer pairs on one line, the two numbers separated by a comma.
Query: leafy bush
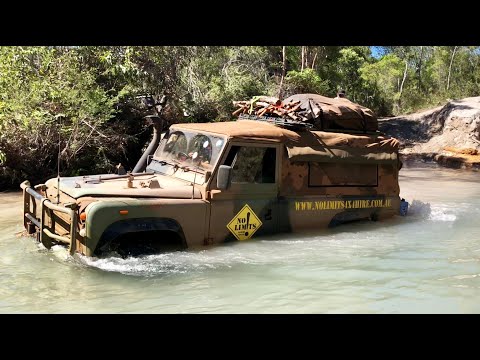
[[306, 81]]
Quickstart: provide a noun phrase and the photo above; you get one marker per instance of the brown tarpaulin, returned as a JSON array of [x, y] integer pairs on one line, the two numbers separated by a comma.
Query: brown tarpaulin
[[320, 146], [324, 154], [335, 114]]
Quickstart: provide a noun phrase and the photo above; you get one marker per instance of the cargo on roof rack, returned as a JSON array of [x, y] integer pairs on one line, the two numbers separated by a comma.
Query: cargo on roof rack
[[315, 111], [292, 124], [335, 114]]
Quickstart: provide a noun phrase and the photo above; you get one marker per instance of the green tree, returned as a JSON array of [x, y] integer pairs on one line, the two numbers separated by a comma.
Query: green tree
[[383, 78], [306, 81], [349, 63], [49, 102]]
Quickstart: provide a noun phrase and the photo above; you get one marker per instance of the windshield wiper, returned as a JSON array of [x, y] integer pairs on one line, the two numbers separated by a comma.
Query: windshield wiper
[[196, 169], [163, 162], [115, 177], [178, 165]]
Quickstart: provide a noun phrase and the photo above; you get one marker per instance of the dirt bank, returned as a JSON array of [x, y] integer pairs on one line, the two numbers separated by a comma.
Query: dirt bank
[[449, 134]]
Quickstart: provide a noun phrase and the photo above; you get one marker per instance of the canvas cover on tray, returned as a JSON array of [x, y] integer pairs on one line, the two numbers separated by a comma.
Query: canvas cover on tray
[[330, 114]]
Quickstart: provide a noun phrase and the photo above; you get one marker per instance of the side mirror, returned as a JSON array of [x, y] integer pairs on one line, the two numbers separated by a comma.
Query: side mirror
[[223, 177]]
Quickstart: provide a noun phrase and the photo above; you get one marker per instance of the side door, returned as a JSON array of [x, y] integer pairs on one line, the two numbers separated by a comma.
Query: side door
[[249, 206]]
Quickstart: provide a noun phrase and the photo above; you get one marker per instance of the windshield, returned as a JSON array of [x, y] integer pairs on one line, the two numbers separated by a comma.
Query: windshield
[[187, 155]]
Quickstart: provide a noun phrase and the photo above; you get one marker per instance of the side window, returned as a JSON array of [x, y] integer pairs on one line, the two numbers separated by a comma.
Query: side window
[[252, 164]]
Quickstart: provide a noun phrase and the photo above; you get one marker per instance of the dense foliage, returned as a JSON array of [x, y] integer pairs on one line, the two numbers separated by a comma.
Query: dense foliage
[[82, 102]]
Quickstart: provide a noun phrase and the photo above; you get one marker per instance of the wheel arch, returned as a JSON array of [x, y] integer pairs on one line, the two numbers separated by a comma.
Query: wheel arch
[[141, 225]]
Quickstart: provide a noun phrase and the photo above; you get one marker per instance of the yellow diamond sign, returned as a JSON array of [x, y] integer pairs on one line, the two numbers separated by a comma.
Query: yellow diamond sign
[[244, 224]]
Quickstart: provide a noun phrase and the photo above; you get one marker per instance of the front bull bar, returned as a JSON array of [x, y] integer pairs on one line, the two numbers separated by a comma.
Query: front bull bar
[[31, 220]]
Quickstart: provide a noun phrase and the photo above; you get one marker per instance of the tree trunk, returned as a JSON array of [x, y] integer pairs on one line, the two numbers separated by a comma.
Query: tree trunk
[[399, 102], [307, 55], [284, 69], [450, 67], [314, 58], [303, 57], [404, 77], [420, 68]]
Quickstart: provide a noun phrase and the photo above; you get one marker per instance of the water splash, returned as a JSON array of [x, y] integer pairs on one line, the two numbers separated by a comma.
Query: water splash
[[261, 252], [440, 214], [419, 209], [179, 262], [60, 252], [427, 211]]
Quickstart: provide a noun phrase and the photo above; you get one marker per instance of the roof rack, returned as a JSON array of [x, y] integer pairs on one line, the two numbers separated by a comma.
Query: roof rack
[[293, 124]]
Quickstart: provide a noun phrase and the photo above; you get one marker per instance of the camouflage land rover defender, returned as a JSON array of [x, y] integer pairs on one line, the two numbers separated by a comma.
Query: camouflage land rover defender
[[210, 183]]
